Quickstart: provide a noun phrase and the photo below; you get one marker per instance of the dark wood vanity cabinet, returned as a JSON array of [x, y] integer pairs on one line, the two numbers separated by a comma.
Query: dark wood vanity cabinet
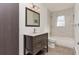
[[33, 44]]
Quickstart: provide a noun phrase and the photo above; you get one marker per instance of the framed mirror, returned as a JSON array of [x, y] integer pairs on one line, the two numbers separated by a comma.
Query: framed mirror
[[32, 18]]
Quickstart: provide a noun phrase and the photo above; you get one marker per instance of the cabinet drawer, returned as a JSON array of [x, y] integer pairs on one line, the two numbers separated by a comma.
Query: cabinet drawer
[[40, 38], [37, 39]]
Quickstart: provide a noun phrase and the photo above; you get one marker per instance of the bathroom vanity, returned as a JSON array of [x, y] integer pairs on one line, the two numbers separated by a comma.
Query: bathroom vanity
[[33, 43]]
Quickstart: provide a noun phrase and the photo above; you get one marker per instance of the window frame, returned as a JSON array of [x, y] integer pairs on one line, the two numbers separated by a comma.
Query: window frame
[[60, 22]]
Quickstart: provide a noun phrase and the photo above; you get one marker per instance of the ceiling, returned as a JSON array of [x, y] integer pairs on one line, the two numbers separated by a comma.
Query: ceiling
[[58, 6]]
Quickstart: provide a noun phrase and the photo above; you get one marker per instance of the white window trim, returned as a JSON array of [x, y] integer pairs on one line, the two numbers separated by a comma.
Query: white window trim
[[61, 21]]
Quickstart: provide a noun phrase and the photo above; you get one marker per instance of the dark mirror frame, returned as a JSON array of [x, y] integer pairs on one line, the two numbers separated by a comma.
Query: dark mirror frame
[[26, 18]]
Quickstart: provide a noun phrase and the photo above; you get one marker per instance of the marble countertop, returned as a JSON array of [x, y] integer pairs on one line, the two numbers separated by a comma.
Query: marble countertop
[[35, 34]]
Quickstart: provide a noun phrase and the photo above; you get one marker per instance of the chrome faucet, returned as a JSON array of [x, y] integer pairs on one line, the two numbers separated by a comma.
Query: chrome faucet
[[34, 30]]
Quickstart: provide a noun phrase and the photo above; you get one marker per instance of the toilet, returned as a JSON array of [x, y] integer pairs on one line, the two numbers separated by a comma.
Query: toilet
[[51, 42]]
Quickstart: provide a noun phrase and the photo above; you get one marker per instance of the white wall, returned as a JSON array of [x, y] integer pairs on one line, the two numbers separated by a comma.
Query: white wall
[[49, 23], [76, 10], [25, 30]]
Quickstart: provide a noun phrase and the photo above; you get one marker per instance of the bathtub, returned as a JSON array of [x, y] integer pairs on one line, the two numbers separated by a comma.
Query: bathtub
[[63, 41]]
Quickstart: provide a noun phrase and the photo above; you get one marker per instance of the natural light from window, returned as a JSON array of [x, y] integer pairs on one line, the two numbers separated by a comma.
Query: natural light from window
[[60, 21]]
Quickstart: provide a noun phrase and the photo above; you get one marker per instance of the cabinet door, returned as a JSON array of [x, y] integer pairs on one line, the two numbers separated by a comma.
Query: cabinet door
[[2, 38], [9, 28]]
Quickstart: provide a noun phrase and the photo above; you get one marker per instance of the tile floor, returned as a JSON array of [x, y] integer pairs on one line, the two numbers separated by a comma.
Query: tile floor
[[60, 50]]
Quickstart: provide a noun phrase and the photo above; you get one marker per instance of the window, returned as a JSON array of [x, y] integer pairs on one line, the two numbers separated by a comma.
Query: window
[[60, 21]]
